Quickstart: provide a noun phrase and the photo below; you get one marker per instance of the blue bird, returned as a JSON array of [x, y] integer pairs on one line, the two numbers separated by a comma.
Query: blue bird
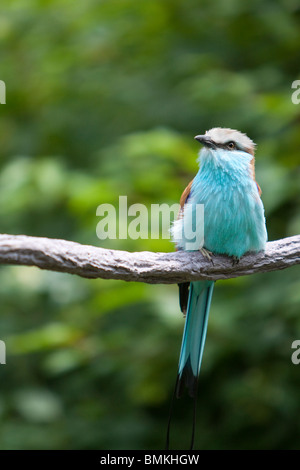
[[232, 223]]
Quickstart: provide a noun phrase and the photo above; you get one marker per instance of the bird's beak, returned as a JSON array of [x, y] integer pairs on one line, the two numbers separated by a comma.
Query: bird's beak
[[206, 140]]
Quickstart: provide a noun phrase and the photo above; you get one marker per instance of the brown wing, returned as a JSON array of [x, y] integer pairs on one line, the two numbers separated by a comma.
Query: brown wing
[[184, 196], [252, 163]]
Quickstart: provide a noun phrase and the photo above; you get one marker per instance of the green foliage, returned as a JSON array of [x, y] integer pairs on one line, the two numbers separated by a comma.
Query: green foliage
[[103, 100]]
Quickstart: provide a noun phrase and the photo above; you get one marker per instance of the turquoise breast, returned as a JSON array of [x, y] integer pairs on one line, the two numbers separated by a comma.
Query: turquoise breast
[[234, 221]]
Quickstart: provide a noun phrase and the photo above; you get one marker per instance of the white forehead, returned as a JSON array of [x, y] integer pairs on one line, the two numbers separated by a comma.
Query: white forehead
[[221, 135]]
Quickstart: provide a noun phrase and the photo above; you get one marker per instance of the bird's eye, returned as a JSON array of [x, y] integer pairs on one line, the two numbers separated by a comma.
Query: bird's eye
[[231, 145]]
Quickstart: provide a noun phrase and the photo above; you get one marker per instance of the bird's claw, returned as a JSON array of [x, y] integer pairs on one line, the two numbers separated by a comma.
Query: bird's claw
[[207, 254], [235, 260]]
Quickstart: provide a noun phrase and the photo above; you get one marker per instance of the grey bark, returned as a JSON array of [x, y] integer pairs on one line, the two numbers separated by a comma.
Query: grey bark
[[165, 268]]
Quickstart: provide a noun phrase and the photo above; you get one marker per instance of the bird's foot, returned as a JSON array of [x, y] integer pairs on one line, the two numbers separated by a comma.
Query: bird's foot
[[207, 254], [235, 260]]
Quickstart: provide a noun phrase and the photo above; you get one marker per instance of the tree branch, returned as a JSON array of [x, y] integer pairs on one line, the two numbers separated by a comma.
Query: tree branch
[[154, 268]]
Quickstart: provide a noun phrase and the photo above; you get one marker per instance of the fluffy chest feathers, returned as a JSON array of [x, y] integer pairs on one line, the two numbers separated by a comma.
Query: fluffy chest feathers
[[234, 221]]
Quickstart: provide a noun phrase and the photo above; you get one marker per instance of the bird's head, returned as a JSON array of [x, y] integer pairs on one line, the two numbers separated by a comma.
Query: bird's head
[[228, 149], [229, 140]]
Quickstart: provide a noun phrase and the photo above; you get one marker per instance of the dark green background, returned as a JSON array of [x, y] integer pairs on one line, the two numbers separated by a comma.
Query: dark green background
[[104, 99]]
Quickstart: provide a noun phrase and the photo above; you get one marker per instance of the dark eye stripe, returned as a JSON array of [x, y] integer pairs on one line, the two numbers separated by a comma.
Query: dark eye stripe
[[225, 146], [231, 144]]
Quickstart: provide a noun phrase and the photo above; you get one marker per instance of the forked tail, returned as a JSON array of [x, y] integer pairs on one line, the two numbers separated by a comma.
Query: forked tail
[[194, 336], [193, 341]]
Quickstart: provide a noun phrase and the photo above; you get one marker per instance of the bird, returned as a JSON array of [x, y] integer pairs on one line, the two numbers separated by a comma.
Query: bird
[[232, 223]]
